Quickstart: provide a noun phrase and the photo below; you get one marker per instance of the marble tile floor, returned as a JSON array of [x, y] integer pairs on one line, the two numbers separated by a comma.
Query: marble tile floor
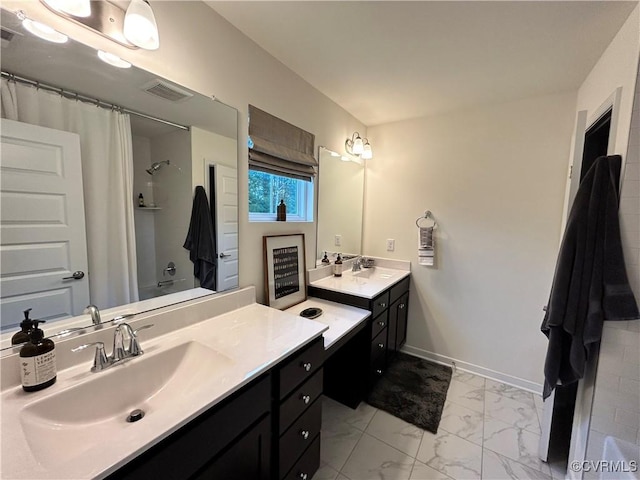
[[488, 430]]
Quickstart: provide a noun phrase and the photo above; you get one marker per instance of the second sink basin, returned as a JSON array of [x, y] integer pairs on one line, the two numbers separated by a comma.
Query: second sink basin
[[95, 411]]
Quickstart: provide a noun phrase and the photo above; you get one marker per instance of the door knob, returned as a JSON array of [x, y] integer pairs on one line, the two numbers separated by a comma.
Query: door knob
[[224, 255], [78, 275]]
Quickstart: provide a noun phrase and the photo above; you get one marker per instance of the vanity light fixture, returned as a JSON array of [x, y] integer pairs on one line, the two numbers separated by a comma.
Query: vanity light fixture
[[113, 60], [358, 146], [77, 8], [140, 26], [133, 28], [41, 30]]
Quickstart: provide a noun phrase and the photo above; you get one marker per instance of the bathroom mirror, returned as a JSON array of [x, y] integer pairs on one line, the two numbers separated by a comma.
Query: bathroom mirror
[[340, 203], [196, 145]]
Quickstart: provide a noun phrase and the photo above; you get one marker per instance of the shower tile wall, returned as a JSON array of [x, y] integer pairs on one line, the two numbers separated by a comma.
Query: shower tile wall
[[616, 406], [144, 220]]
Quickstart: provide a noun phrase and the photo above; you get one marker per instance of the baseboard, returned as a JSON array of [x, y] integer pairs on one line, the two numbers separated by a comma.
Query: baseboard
[[475, 369]]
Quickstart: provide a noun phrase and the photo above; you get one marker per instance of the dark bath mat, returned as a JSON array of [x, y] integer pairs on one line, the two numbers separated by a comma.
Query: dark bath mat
[[414, 390]]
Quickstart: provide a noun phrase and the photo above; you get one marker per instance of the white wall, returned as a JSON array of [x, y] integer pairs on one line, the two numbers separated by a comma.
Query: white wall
[[494, 179], [208, 147], [201, 50]]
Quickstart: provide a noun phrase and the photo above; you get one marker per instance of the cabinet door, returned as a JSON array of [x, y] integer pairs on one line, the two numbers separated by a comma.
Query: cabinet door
[[248, 457], [402, 312], [392, 336]]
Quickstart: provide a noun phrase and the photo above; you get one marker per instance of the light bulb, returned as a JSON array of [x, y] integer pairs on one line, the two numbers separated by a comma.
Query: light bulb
[[367, 152], [44, 31], [77, 8], [358, 146], [140, 26], [113, 60]]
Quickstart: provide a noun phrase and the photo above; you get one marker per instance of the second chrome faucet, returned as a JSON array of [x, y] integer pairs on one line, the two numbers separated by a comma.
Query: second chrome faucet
[[120, 352]]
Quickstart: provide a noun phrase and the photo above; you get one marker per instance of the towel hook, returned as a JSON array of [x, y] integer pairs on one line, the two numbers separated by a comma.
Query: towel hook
[[427, 216]]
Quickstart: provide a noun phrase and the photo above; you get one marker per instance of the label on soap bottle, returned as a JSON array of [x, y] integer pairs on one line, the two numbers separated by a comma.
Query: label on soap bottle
[[39, 369]]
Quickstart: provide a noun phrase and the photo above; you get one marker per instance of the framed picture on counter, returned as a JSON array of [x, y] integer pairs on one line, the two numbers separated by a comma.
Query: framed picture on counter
[[285, 270]]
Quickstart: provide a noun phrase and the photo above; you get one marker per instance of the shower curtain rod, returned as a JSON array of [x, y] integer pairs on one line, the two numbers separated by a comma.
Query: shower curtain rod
[[93, 101]]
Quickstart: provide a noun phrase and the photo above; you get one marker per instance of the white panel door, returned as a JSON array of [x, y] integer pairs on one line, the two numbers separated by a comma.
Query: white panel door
[[227, 226], [42, 228]]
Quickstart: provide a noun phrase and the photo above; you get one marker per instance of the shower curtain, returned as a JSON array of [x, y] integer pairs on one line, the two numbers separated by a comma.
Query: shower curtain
[[107, 175]]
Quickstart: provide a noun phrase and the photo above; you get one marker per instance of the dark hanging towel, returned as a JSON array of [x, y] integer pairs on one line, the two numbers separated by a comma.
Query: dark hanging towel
[[590, 284], [199, 242]]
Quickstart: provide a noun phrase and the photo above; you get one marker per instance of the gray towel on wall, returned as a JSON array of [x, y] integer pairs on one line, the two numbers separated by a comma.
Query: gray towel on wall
[[590, 284], [200, 242]]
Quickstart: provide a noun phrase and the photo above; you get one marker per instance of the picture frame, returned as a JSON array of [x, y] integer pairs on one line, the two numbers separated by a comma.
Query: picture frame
[[285, 270]]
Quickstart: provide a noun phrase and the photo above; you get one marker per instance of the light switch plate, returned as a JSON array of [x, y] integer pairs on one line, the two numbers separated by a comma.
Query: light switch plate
[[391, 244], [337, 241]]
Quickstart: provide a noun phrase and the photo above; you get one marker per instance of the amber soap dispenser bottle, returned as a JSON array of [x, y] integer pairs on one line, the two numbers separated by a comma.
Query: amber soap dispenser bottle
[[37, 361]]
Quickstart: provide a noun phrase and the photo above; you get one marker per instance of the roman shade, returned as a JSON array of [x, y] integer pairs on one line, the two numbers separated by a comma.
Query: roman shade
[[279, 148]]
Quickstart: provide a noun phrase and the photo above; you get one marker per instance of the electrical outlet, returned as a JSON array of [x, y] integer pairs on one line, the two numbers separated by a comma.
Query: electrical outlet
[[391, 244], [337, 241]]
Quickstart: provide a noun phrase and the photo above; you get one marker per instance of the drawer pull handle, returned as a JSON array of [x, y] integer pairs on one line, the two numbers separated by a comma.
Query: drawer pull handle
[[303, 476], [382, 324], [402, 305], [381, 345], [379, 371], [305, 434], [383, 305], [305, 398], [306, 366]]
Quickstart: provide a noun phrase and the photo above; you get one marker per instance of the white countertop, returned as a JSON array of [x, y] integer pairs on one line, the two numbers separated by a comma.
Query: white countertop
[[253, 339], [340, 319], [366, 283]]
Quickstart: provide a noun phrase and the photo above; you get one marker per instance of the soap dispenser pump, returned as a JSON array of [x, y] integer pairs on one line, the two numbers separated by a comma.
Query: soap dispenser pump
[[325, 259], [25, 325], [337, 267], [37, 360]]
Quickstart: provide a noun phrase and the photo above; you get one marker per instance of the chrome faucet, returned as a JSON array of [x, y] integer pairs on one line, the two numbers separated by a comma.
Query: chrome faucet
[[120, 353], [95, 314], [357, 263]]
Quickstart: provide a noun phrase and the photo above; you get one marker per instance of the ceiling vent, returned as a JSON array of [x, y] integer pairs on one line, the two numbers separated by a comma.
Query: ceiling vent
[[6, 37], [166, 90]]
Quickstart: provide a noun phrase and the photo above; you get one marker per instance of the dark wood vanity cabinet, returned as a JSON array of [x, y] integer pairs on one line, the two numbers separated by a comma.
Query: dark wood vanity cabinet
[[297, 418], [387, 332], [268, 430]]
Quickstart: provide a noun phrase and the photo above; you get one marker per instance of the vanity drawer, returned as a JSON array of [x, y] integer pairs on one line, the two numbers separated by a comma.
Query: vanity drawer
[[376, 370], [300, 400], [379, 323], [398, 289], [299, 436], [378, 346], [301, 367], [380, 304], [308, 464]]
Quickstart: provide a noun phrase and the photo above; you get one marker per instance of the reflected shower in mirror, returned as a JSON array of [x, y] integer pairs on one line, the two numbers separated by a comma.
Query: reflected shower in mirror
[[121, 206], [340, 204]]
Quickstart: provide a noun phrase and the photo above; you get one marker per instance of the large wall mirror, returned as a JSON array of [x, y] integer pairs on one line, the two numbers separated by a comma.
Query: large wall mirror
[[340, 204], [97, 202]]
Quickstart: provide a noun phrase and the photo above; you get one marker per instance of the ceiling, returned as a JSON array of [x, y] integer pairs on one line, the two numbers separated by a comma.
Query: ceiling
[[390, 61]]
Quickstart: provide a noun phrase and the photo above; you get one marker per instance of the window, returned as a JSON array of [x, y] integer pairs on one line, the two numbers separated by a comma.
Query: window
[[266, 190], [281, 168]]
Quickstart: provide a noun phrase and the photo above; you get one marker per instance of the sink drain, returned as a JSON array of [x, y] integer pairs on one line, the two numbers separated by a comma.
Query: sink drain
[[135, 415]]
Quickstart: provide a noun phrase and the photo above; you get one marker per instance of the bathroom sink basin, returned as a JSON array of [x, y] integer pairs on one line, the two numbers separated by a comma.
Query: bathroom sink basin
[[95, 411], [375, 273]]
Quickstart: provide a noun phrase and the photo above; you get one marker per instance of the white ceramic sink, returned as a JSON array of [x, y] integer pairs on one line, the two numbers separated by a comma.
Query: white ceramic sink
[[375, 273], [95, 411]]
